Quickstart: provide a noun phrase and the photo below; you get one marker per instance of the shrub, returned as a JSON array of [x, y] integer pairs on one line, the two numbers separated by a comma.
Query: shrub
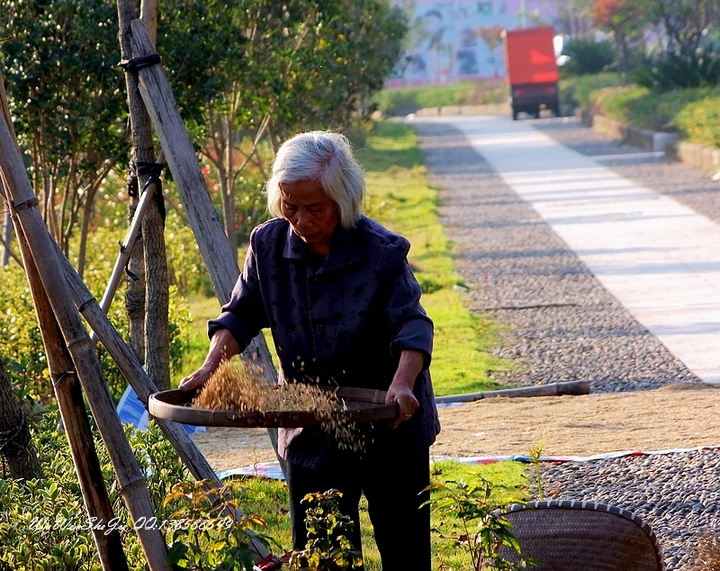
[[328, 547], [644, 108], [478, 528], [43, 522], [669, 71], [699, 121], [575, 91], [588, 57]]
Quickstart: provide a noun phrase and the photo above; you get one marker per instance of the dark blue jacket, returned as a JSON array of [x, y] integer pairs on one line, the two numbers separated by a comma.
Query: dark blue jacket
[[339, 320]]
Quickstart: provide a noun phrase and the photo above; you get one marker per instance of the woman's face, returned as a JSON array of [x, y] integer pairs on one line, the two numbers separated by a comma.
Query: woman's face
[[312, 214]]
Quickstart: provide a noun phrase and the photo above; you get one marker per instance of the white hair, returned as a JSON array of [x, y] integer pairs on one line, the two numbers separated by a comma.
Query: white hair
[[326, 158]]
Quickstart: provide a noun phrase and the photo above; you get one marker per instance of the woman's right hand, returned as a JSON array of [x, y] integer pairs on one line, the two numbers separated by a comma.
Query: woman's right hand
[[222, 347], [196, 379]]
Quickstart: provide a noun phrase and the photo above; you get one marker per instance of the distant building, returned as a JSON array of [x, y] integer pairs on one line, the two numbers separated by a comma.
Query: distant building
[[458, 40]]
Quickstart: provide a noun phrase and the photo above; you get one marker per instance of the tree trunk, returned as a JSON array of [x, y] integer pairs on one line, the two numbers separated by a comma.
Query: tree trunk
[[135, 292], [157, 297], [15, 443], [153, 322], [142, 151]]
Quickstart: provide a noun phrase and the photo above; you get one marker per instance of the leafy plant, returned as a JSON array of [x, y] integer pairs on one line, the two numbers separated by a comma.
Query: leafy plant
[[670, 70], [535, 453], [700, 121], [205, 531], [328, 547], [482, 528], [575, 90]]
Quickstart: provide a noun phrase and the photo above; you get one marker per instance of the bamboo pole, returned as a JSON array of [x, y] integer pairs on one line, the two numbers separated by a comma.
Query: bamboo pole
[[132, 369], [177, 146], [143, 386], [182, 160], [86, 366], [68, 393], [553, 389]]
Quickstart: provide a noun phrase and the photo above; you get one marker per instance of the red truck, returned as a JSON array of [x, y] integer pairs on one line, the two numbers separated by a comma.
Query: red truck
[[531, 70]]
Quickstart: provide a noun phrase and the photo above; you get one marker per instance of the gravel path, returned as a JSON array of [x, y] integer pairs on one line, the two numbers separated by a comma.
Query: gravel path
[[563, 325]]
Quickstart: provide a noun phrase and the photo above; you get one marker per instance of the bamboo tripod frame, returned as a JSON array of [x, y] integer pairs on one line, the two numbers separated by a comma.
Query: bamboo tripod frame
[[51, 282], [53, 278]]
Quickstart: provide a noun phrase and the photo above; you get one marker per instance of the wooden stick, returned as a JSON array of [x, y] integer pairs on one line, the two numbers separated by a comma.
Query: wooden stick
[[554, 389], [143, 386], [86, 365], [182, 160]]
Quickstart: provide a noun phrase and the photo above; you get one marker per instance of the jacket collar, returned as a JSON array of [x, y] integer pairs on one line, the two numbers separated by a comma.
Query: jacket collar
[[345, 248]]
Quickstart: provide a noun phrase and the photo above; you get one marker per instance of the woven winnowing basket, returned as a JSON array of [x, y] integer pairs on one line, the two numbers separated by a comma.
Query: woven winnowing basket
[[582, 536]]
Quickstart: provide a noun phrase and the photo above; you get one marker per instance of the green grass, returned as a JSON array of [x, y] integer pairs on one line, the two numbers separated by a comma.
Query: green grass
[[401, 199], [407, 99], [202, 309]]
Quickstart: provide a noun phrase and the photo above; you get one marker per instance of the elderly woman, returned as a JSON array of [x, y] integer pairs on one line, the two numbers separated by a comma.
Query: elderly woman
[[341, 301]]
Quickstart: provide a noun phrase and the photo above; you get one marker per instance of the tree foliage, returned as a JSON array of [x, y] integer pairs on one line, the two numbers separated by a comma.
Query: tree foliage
[[279, 69], [66, 99], [626, 23], [684, 22]]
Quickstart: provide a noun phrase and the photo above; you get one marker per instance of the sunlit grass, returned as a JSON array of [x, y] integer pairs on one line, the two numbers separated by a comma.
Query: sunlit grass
[[401, 199]]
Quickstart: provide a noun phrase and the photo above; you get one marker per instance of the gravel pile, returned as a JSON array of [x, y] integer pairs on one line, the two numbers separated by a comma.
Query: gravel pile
[[564, 326]]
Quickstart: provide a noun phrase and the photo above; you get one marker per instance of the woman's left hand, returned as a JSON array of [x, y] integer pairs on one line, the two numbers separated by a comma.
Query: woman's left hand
[[407, 403], [401, 388]]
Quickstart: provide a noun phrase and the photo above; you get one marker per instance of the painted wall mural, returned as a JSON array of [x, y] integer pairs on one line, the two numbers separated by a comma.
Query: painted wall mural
[[461, 39]]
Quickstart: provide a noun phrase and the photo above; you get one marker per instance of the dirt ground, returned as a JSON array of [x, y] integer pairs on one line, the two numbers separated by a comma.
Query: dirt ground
[[677, 416]]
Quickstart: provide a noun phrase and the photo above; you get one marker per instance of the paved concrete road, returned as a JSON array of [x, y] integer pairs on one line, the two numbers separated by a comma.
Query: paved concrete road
[[659, 258]]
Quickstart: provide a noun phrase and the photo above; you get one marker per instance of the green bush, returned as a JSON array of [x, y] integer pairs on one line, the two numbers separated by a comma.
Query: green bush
[[588, 57], [644, 108], [669, 71], [397, 101], [699, 121], [575, 90], [44, 525]]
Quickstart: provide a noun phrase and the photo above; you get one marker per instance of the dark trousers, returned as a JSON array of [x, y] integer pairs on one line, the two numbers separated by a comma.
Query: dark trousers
[[392, 484]]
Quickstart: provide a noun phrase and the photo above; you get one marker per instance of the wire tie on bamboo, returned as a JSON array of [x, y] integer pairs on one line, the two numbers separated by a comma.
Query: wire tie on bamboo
[[26, 204], [84, 305], [64, 375], [137, 63]]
